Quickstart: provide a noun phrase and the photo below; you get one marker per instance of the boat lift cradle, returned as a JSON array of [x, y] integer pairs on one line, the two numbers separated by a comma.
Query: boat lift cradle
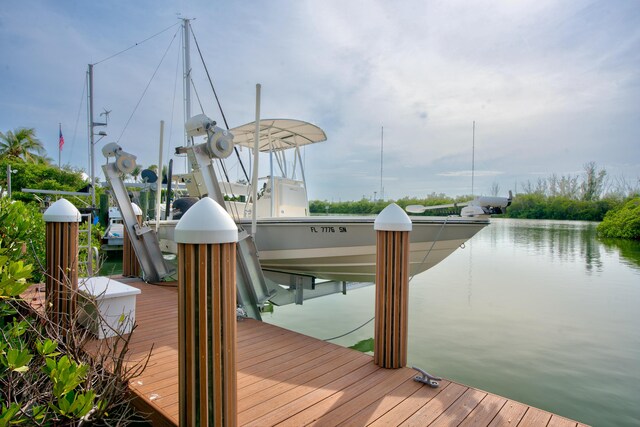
[[252, 288], [280, 288], [145, 244]]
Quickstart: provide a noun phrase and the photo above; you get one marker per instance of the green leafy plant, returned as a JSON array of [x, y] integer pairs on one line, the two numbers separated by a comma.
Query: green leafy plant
[[22, 234], [364, 346], [623, 222], [46, 376]]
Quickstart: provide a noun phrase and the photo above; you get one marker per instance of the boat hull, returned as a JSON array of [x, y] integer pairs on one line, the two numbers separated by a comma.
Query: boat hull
[[344, 248]]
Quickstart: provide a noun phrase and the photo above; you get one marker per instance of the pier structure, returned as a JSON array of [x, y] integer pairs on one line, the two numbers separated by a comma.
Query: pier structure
[[277, 377], [287, 378]]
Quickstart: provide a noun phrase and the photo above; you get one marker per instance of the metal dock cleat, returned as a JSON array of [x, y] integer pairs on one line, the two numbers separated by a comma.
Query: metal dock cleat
[[426, 378]]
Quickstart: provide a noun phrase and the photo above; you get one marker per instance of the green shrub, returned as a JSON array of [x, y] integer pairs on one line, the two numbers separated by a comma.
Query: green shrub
[[46, 377], [22, 233], [623, 222]]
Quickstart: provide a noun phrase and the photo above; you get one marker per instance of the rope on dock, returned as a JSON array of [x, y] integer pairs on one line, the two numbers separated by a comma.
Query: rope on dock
[[410, 279]]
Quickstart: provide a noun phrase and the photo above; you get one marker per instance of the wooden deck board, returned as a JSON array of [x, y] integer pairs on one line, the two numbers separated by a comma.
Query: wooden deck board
[[287, 378], [485, 412], [376, 409], [510, 414], [456, 413], [261, 403]]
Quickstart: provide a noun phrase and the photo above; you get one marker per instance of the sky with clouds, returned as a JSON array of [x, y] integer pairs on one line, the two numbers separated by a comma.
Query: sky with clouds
[[551, 85]]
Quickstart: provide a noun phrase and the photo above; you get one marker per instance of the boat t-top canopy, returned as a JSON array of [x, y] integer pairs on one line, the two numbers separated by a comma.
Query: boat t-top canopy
[[278, 134]]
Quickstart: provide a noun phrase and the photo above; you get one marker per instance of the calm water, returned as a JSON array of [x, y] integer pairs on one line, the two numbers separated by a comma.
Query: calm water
[[541, 312]]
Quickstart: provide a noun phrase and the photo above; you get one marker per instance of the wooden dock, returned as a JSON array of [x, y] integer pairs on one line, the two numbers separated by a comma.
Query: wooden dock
[[289, 379]]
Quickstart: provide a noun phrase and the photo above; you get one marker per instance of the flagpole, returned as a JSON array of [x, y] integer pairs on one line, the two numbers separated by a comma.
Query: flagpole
[[59, 145]]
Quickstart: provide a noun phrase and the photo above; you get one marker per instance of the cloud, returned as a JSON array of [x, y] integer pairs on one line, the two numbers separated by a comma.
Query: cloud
[[549, 85], [470, 173]]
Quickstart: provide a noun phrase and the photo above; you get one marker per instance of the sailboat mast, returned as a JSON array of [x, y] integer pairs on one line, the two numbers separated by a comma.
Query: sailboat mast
[[92, 156], [473, 156], [187, 74], [381, 161]]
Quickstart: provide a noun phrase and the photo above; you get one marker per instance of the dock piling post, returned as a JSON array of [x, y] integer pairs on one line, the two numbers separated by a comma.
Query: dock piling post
[[144, 203], [130, 264], [103, 214], [207, 238], [62, 223], [392, 287]]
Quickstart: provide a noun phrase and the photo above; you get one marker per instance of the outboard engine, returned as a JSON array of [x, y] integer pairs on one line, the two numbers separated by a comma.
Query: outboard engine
[[182, 205]]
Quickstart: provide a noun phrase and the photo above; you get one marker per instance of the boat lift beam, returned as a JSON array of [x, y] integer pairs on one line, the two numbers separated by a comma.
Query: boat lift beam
[[143, 238], [297, 288], [252, 288]]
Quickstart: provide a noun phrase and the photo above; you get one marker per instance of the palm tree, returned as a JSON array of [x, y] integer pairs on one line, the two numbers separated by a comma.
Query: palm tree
[[136, 172], [22, 144]]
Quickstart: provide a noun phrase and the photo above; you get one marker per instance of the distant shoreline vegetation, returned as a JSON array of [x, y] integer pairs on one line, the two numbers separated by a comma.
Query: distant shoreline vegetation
[[590, 196], [622, 222], [525, 206], [587, 197]]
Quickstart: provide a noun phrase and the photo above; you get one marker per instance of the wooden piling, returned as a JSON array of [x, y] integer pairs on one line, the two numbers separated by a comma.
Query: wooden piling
[[130, 264], [144, 203], [392, 287], [61, 284], [207, 316]]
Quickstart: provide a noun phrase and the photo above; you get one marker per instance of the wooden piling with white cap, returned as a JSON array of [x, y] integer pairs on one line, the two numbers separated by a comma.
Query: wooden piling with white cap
[[61, 284], [130, 264], [392, 287], [207, 238]]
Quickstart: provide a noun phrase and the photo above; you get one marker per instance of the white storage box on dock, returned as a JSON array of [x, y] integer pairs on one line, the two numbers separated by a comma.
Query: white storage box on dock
[[115, 301]]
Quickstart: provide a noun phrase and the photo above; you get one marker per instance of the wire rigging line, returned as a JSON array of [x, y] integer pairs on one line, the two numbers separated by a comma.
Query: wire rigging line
[[197, 95], [215, 94], [137, 44], [75, 129], [210, 81], [221, 163], [432, 245], [144, 92], [173, 105]]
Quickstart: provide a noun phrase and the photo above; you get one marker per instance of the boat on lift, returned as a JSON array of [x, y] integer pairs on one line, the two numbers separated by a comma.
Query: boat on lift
[[288, 239]]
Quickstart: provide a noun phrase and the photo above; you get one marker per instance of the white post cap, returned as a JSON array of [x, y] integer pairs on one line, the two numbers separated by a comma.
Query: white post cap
[[62, 211], [206, 222], [136, 209], [392, 218]]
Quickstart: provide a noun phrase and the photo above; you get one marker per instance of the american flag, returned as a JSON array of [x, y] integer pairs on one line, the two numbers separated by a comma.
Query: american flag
[[61, 140]]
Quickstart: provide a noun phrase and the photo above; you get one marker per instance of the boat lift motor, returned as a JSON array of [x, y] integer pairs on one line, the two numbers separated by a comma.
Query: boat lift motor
[[252, 287], [219, 143], [125, 162]]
